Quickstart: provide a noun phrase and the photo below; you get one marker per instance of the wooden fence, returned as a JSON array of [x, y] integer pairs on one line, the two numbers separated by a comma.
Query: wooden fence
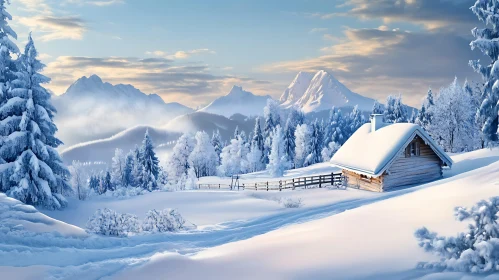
[[300, 182]]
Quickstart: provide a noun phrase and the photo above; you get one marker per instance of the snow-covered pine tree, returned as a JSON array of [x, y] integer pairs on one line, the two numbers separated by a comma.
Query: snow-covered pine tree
[[289, 140], [150, 164], [108, 184], [37, 173], [128, 170], [234, 158], [7, 64], [453, 119], [395, 111], [486, 41], [137, 167], [257, 135], [303, 136], [216, 141], [236, 132], [278, 161], [316, 145], [476, 100], [424, 117], [204, 158], [93, 183], [179, 163], [377, 108], [118, 168], [356, 120], [254, 158], [414, 116]]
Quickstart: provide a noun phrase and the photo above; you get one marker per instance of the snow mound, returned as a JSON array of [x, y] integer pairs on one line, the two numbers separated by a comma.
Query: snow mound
[[17, 217]]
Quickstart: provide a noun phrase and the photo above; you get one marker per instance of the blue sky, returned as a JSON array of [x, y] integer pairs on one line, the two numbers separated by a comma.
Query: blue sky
[[193, 51]]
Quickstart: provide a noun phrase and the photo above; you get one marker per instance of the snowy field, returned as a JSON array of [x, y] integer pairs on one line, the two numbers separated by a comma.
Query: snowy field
[[250, 235]]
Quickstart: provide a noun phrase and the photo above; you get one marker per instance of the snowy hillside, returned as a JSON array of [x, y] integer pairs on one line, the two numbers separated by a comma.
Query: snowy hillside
[[248, 235], [103, 150], [90, 107], [322, 92], [237, 101]]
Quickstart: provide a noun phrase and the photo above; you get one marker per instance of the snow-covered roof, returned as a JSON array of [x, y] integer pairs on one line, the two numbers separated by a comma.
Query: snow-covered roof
[[371, 153]]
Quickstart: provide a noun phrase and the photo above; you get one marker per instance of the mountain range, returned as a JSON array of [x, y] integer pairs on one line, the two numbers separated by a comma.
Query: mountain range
[[91, 109]]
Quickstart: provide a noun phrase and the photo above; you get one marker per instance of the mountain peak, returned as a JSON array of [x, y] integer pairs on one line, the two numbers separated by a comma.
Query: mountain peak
[[95, 78], [237, 91]]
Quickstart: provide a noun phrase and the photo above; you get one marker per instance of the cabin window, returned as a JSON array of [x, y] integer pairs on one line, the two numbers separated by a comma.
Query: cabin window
[[413, 150]]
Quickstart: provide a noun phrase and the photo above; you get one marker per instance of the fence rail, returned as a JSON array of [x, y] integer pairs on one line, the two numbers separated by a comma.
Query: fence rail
[[300, 182]]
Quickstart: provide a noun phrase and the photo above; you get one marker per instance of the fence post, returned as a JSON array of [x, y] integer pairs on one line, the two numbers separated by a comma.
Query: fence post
[[320, 181], [244, 187], [293, 183], [218, 186], [256, 186], [280, 185], [305, 182], [267, 185]]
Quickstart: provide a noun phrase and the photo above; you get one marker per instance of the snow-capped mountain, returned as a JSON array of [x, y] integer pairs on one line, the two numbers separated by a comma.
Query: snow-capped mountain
[[237, 101], [92, 109], [296, 89], [322, 93]]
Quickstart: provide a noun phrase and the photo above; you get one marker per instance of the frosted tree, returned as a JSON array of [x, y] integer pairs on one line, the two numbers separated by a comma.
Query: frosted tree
[[414, 116], [236, 132], [328, 152], [37, 174], [127, 179], [118, 168], [472, 251], [377, 108], [272, 116], [7, 47], [150, 163], [254, 158], [289, 140], [79, 179], [395, 111], [107, 183], [278, 160], [476, 96], [216, 142], [452, 122], [486, 40], [303, 136], [234, 158], [137, 171], [316, 145], [424, 116], [179, 163], [204, 158], [257, 135], [356, 120]]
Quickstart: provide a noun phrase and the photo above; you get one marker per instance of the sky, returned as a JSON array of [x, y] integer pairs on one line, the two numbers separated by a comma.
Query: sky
[[194, 51]]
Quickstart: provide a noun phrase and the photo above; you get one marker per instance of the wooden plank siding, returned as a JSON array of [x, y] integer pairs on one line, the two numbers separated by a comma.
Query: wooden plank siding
[[405, 170]]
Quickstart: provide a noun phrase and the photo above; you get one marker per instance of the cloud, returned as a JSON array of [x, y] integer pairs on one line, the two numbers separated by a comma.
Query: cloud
[[180, 54], [55, 28], [379, 62], [191, 84], [101, 3], [432, 14]]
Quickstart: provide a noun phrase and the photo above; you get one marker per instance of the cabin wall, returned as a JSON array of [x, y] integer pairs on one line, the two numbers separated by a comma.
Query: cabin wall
[[354, 180], [420, 169]]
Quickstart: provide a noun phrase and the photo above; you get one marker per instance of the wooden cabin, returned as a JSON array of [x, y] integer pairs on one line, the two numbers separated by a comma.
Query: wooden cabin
[[380, 157]]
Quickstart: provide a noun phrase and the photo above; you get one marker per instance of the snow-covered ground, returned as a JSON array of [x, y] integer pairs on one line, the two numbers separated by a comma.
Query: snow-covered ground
[[337, 234]]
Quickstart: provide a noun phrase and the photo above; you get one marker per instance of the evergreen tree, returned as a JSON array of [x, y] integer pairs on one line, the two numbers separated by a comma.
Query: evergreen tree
[[356, 120], [424, 116], [414, 116], [377, 108], [395, 111], [303, 137], [234, 158], [203, 158], [254, 158], [236, 132], [108, 185], [486, 41], [257, 135], [128, 170], [289, 140], [35, 171], [150, 163], [179, 165], [278, 161], [94, 183], [216, 142], [137, 167], [118, 168], [7, 64]]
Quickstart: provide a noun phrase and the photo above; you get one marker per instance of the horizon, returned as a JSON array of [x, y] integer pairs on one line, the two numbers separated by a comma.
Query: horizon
[[192, 53]]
